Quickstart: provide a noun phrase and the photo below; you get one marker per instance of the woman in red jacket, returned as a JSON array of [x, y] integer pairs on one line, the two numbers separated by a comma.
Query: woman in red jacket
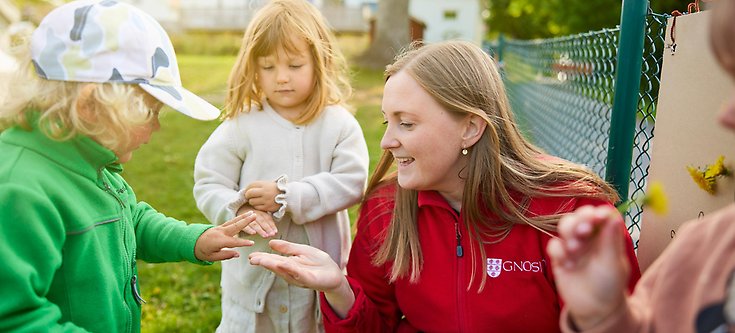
[[455, 239]]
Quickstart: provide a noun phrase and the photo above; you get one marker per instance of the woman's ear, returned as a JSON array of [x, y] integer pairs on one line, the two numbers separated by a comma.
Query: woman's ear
[[474, 128]]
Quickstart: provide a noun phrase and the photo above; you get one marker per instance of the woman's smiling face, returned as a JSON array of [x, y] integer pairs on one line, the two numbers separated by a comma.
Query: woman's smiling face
[[424, 138]]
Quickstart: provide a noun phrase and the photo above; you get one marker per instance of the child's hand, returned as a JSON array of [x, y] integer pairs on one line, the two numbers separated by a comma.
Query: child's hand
[[589, 264], [263, 224], [262, 195], [212, 244]]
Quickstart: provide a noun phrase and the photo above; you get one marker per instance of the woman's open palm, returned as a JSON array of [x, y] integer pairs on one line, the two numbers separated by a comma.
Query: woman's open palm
[[301, 265]]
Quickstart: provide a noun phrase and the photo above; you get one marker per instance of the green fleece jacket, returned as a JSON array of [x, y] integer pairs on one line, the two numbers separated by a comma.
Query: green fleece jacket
[[70, 232]]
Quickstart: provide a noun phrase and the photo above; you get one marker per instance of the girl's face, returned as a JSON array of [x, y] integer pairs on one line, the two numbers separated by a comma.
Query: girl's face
[[424, 138], [141, 134], [287, 79]]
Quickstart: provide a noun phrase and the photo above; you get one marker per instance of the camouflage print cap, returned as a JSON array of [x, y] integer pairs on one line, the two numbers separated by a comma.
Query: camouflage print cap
[[109, 41]]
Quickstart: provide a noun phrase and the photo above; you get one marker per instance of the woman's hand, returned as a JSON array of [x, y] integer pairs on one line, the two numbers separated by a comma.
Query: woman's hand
[[308, 267], [590, 265], [212, 244]]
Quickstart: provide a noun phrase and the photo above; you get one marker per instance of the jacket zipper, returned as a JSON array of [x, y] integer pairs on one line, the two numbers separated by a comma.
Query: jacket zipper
[[460, 274], [460, 251], [136, 293], [109, 190]]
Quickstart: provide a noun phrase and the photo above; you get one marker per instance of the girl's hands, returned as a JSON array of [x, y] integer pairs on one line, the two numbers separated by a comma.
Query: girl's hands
[[590, 265], [263, 224], [261, 195], [212, 244], [308, 267]]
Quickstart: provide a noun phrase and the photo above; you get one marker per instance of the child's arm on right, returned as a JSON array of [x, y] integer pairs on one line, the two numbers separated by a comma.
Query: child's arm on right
[[314, 196]]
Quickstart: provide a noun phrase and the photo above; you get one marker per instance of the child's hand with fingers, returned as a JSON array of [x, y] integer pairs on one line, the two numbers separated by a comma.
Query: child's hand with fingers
[[213, 244], [261, 195], [263, 224], [589, 263]]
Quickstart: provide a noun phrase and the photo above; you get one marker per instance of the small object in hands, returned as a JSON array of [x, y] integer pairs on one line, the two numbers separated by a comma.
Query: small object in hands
[[707, 179]]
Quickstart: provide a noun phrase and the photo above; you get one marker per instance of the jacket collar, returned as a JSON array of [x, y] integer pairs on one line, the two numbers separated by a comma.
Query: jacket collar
[[80, 154], [432, 198]]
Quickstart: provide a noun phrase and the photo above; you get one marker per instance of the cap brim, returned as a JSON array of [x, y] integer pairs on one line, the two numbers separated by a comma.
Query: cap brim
[[183, 100]]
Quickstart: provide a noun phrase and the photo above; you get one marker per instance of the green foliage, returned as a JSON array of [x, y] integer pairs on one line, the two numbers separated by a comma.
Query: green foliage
[[527, 19], [184, 297]]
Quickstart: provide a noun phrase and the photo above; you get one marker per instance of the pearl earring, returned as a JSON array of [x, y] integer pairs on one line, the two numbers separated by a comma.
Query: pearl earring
[[464, 151]]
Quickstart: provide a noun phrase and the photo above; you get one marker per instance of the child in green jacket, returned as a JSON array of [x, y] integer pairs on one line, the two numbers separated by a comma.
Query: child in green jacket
[[71, 228]]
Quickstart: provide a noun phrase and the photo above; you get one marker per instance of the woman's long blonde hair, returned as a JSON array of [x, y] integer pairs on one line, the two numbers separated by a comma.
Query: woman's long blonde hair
[[504, 170], [274, 27], [111, 110]]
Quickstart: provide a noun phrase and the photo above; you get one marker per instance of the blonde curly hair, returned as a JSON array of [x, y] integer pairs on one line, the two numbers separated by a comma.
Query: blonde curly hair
[[106, 112]]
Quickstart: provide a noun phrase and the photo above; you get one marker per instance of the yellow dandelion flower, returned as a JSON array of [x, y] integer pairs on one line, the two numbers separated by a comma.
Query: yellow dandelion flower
[[700, 180], [656, 199], [717, 169], [707, 179]]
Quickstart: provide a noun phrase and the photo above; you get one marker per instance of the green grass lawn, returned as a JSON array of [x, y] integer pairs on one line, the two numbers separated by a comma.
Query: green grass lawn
[[184, 297]]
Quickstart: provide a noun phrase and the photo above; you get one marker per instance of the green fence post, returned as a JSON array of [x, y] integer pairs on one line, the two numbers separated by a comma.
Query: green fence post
[[625, 101], [501, 45]]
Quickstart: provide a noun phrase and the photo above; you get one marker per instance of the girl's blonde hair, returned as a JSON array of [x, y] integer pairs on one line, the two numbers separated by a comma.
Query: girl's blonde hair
[[504, 170], [107, 112], [274, 27]]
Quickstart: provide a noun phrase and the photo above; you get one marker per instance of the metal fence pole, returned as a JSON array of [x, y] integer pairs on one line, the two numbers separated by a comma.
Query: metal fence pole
[[501, 45], [625, 101]]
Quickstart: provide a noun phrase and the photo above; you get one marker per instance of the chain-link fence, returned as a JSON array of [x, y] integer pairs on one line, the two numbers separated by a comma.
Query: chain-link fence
[[562, 91]]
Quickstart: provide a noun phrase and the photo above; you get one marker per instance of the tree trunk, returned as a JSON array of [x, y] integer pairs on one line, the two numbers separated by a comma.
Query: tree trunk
[[391, 34]]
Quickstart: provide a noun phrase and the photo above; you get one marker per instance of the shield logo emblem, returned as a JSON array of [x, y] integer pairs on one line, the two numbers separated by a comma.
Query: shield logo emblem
[[494, 267]]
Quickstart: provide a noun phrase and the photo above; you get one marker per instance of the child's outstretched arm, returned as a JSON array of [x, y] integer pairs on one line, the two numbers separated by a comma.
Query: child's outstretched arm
[[590, 265], [161, 238], [213, 244]]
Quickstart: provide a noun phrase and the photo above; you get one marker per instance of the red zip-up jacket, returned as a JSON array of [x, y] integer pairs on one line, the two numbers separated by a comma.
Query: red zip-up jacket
[[519, 294]]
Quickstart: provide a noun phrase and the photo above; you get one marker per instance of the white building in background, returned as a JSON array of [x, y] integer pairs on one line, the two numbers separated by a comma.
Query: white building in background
[[456, 19], [181, 15], [444, 19]]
